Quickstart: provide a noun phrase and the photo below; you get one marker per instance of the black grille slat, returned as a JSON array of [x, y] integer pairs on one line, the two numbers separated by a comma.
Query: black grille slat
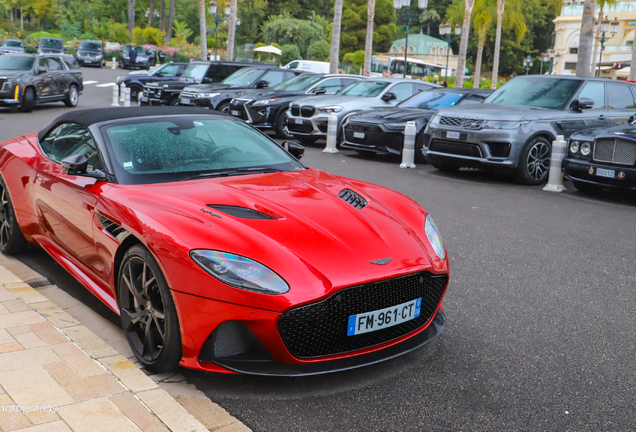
[[353, 198], [295, 110], [320, 329], [240, 212], [111, 227], [456, 148], [306, 127], [465, 123], [307, 111], [615, 150]]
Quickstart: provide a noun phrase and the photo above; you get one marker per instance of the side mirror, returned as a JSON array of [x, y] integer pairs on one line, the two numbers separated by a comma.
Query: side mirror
[[583, 103], [631, 120], [42, 70], [388, 97], [262, 84], [159, 74], [295, 149], [320, 91], [78, 165]]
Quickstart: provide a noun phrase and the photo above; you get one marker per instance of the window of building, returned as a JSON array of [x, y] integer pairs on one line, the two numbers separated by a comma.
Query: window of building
[[411, 49], [574, 50], [570, 66], [441, 51], [433, 50]]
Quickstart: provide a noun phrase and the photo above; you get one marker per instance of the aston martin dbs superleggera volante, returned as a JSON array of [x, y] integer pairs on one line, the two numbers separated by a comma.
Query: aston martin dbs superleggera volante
[[219, 249]]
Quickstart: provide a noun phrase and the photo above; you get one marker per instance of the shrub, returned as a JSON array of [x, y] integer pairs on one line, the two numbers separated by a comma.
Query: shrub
[[319, 51], [290, 53], [70, 31], [119, 33], [88, 36], [291, 32]]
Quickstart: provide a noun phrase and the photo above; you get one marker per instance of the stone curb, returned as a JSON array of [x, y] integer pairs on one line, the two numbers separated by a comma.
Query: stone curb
[[34, 310]]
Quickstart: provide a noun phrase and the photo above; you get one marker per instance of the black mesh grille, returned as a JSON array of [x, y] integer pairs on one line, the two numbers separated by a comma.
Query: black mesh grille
[[295, 110], [320, 329], [373, 136], [465, 123], [307, 111], [353, 198], [322, 126], [615, 150], [306, 127], [237, 109], [456, 148]]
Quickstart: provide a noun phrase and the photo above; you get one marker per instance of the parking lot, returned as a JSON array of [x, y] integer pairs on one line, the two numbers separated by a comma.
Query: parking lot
[[540, 310]]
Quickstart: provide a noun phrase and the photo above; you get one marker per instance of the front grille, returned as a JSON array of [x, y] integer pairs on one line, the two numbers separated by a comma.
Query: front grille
[[615, 150], [353, 198], [306, 127], [3, 84], [307, 111], [464, 123], [320, 329], [295, 110], [456, 148], [373, 136]]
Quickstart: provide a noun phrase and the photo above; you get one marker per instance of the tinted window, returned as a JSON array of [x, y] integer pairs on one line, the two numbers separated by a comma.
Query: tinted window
[[55, 64], [473, 99], [196, 72], [11, 62], [244, 77], [347, 81], [67, 140], [43, 63], [293, 65], [217, 73], [596, 92], [619, 96], [70, 62], [274, 77], [90, 46], [10, 43], [535, 91], [402, 91], [432, 100], [170, 70], [332, 85], [51, 43], [365, 88], [301, 82]]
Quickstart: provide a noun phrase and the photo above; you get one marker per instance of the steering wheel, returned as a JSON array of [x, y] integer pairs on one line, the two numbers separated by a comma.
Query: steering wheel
[[225, 150]]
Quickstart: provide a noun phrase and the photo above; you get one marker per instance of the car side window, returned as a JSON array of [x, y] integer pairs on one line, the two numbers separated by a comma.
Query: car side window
[[619, 96], [332, 85], [346, 81], [422, 87], [43, 63], [55, 64], [70, 139], [596, 91], [216, 73], [402, 91], [170, 71], [70, 62], [293, 65], [273, 77]]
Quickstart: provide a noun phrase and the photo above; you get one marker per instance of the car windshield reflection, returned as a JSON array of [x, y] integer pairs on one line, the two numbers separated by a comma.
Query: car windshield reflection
[[533, 91]]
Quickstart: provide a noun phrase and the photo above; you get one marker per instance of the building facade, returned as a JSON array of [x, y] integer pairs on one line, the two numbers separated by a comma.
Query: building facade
[[425, 48]]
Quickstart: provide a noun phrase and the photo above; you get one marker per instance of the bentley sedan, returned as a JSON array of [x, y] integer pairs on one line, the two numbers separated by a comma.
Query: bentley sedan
[[219, 249]]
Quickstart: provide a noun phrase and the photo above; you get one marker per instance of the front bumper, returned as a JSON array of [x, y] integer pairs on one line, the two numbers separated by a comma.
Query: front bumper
[[190, 99], [90, 62], [585, 171], [492, 149], [10, 96], [372, 138]]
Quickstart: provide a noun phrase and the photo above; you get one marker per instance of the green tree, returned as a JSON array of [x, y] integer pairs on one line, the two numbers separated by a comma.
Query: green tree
[[354, 26], [119, 33], [70, 31], [292, 32], [348, 60], [290, 53], [181, 31], [358, 59], [319, 51]]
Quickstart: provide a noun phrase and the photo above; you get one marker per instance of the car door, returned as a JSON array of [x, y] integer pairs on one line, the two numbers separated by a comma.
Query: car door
[[43, 80], [620, 103], [171, 70], [402, 91], [597, 116], [65, 203], [59, 78], [330, 85], [274, 77]]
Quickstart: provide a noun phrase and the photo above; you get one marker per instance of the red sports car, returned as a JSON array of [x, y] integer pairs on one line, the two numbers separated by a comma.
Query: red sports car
[[218, 248]]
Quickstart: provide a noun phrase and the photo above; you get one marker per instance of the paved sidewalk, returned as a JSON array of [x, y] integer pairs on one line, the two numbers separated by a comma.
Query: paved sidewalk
[[58, 376]]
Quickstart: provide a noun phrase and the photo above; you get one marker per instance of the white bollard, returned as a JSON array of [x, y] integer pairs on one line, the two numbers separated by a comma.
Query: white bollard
[[115, 96], [555, 181], [127, 97], [332, 134], [122, 92], [408, 151], [114, 66]]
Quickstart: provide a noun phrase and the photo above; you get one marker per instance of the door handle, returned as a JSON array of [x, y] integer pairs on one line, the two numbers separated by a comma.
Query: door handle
[[601, 117]]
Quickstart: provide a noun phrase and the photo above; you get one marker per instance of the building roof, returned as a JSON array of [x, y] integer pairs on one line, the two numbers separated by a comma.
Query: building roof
[[421, 42]]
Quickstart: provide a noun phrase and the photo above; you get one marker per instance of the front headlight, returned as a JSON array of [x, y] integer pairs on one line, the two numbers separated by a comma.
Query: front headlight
[[98, 57], [586, 147], [434, 121], [239, 272], [493, 124], [396, 126], [264, 102], [207, 95], [574, 147], [330, 109], [434, 237]]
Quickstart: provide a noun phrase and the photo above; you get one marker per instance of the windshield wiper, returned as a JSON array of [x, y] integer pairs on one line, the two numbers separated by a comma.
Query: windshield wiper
[[236, 171]]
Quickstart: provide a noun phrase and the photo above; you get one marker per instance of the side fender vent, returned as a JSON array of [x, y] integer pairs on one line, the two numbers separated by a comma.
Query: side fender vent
[[112, 228], [353, 198], [240, 212]]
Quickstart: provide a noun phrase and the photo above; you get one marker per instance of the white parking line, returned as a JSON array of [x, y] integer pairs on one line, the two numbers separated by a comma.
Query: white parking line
[[90, 82], [105, 85]]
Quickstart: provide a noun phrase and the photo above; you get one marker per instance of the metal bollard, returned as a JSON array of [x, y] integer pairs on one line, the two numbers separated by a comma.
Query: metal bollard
[[122, 92], [408, 151], [114, 66], [332, 134], [115, 96], [127, 97], [555, 181]]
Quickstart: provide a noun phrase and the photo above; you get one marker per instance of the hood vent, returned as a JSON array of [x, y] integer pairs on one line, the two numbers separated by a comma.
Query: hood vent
[[353, 198], [240, 212], [112, 228]]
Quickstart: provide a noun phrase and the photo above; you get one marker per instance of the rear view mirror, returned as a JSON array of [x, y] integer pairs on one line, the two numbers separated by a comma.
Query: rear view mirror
[[388, 96], [42, 70], [631, 120], [320, 91], [78, 165], [583, 103], [262, 84], [295, 149]]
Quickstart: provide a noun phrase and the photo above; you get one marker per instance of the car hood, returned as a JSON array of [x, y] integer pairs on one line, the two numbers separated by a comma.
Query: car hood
[[12, 73], [343, 101], [380, 116], [51, 50], [205, 88], [263, 94], [621, 131], [315, 240], [171, 84], [486, 111]]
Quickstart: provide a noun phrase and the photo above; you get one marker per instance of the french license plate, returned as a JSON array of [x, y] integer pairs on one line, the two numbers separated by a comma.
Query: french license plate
[[383, 318], [298, 121], [88, 61], [185, 101], [144, 99], [358, 134], [235, 113], [605, 173], [453, 135]]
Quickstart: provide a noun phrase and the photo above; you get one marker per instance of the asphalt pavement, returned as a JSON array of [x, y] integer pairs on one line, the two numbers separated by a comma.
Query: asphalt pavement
[[540, 309]]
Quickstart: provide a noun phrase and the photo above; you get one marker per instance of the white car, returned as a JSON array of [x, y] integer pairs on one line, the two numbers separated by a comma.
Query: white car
[[112, 46], [308, 66]]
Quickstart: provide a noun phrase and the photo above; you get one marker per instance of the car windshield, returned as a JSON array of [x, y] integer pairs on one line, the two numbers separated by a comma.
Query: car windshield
[[540, 92], [243, 77], [299, 83], [194, 72], [12, 62], [161, 150], [10, 43], [90, 46], [140, 50], [365, 88], [431, 100], [51, 43]]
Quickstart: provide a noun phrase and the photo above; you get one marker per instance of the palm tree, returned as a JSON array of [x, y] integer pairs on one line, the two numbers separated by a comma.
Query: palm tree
[[131, 17], [501, 4], [162, 15], [335, 40], [427, 17], [368, 46], [203, 25], [482, 22], [231, 33], [463, 45], [513, 19], [601, 4], [170, 22], [586, 39], [151, 12]]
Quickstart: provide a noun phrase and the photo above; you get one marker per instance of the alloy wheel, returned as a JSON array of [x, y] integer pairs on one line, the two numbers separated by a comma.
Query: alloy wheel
[[538, 161], [5, 230], [73, 96]]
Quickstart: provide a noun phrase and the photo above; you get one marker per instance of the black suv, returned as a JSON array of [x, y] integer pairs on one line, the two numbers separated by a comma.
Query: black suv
[[12, 46], [50, 45], [167, 93], [144, 60], [90, 53], [165, 72], [30, 79], [218, 96]]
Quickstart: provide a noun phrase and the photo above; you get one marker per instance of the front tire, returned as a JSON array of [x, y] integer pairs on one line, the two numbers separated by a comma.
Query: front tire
[[281, 123], [419, 145], [12, 242], [174, 101], [223, 107], [72, 99], [148, 314], [534, 163], [28, 100]]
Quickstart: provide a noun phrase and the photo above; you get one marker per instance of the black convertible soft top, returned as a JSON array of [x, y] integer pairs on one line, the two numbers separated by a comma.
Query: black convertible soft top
[[89, 117]]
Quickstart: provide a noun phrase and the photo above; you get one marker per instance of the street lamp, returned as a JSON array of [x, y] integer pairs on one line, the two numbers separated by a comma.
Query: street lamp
[[545, 57], [408, 16], [213, 9], [605, 26], [445, 34], [527, 63]]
